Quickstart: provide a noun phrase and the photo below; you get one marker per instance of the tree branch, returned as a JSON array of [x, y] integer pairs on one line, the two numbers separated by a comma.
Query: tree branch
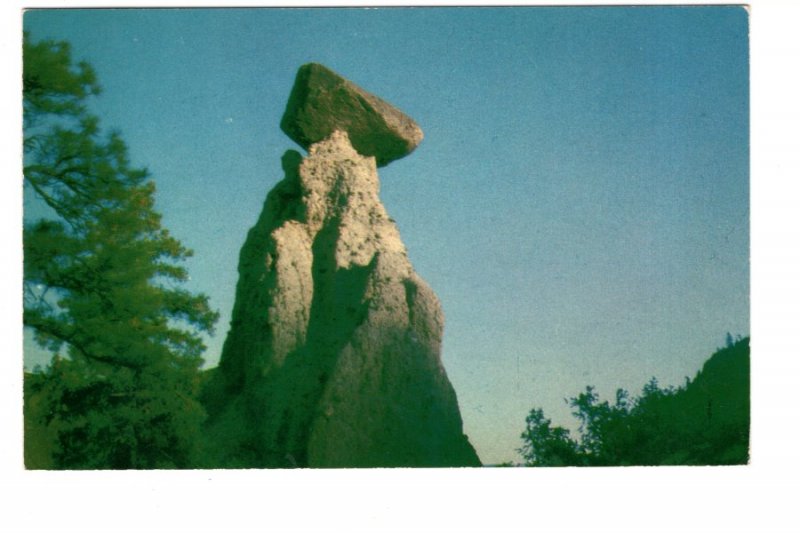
[[49, 328]]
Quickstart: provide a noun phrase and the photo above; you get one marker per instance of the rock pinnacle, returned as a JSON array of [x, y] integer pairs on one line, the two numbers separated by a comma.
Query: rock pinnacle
[[333, 358]]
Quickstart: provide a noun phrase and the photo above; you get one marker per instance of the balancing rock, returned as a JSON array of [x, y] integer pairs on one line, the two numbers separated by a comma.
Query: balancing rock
[[333, 358], [322, 102]]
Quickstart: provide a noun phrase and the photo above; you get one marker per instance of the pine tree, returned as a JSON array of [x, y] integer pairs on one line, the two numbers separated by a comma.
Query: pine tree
[[102, 289]]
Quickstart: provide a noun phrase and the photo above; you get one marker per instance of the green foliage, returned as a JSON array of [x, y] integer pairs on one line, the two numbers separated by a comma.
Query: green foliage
[[51, 83], [704, 422], [544, 445], [101, 288]]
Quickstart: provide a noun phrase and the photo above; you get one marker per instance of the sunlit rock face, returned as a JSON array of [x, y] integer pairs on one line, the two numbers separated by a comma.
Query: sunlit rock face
[[333, 356]]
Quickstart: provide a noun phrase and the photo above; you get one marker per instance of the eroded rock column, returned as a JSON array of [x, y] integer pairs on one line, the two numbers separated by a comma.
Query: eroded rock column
[[333, 358]]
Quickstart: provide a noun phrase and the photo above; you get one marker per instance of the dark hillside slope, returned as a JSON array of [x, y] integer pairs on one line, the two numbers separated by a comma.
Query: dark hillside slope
[[704, 422]]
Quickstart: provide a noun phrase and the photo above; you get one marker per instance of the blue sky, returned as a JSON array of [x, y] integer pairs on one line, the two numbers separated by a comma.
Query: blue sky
[[579, 203]]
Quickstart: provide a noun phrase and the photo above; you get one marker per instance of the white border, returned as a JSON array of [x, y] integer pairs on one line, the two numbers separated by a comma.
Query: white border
[[759, 497]]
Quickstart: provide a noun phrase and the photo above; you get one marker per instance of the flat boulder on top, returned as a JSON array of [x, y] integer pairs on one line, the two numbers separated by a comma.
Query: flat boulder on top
[[322, 102]]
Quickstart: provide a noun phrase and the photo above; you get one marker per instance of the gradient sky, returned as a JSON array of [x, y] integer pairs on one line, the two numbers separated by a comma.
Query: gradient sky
[[579, 203]]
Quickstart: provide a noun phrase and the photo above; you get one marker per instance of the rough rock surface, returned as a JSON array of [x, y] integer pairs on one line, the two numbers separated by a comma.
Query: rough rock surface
[[333, 357], [322, 102]]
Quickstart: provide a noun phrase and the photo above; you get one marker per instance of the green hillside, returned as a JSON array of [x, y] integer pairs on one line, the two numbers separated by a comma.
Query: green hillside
[[704, 422]]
